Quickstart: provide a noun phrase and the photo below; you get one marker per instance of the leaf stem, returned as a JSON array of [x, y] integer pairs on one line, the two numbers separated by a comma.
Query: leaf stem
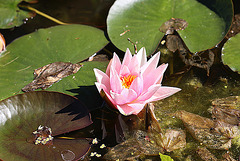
[[43, 14]]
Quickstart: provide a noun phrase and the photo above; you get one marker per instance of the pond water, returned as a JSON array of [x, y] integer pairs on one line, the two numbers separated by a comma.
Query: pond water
[[198, 89]]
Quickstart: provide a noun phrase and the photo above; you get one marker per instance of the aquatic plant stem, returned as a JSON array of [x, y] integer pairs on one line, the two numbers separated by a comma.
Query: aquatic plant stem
[[43, 14], [171, 66]]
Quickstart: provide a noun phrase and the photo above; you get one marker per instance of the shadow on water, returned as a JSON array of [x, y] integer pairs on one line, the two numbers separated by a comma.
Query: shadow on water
[[89, 95], [73, 109]]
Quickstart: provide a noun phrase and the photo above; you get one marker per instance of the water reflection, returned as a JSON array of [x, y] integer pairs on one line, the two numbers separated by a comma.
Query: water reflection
[[67, 155]]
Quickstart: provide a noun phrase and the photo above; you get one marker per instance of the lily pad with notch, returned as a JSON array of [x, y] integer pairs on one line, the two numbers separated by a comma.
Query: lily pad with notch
[[63, 43], [31, 122], [140, 20]]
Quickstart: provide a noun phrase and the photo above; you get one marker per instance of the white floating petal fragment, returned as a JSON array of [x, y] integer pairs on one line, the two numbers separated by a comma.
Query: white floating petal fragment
[[98, 155], [93, 154], [103, 146], [94, 141], [91, 57], [43, 135]]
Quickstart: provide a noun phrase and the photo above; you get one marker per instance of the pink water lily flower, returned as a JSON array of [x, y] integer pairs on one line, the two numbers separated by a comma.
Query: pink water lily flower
[[134, 82], [2, 43]]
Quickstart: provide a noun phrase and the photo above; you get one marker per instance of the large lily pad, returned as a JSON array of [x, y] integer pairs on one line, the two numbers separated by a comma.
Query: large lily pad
[[22, 114], [231, 53], [140, 21], [64, 43], [11, 15]]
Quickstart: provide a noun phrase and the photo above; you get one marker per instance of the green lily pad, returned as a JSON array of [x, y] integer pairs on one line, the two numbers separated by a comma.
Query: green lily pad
[[231, 53], [64, 43], [11, 15], [140, 21], [22, 114]]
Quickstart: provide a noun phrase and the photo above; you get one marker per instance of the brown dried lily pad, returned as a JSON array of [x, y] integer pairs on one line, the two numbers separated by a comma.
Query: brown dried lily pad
[[139, 145], [128, 150], [227, 110], [150, 141], [168, 140], [213, 134], [227, 157], [49, 74], [174, 43], [230, 116], [147, 144], [172, 140], [176, 24], [228, 130], [203, 59], [205, 154], [232, 102]]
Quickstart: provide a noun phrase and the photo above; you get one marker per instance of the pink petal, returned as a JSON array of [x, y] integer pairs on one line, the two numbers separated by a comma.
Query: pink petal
[[127, 58], [126, 96], [137, 85], [163, 71], [102, 77], [116, 63], [128, 109], [115, 81], [149, 93], [102, 87], [109, 67], [124, 71], [137, 107], [163, 92], [142, 57], [134, 66], [153, 77], [99, 86], [107, 92], [151, 64]]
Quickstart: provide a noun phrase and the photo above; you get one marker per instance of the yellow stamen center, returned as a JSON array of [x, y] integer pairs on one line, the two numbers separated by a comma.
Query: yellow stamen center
[[127, 80]]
